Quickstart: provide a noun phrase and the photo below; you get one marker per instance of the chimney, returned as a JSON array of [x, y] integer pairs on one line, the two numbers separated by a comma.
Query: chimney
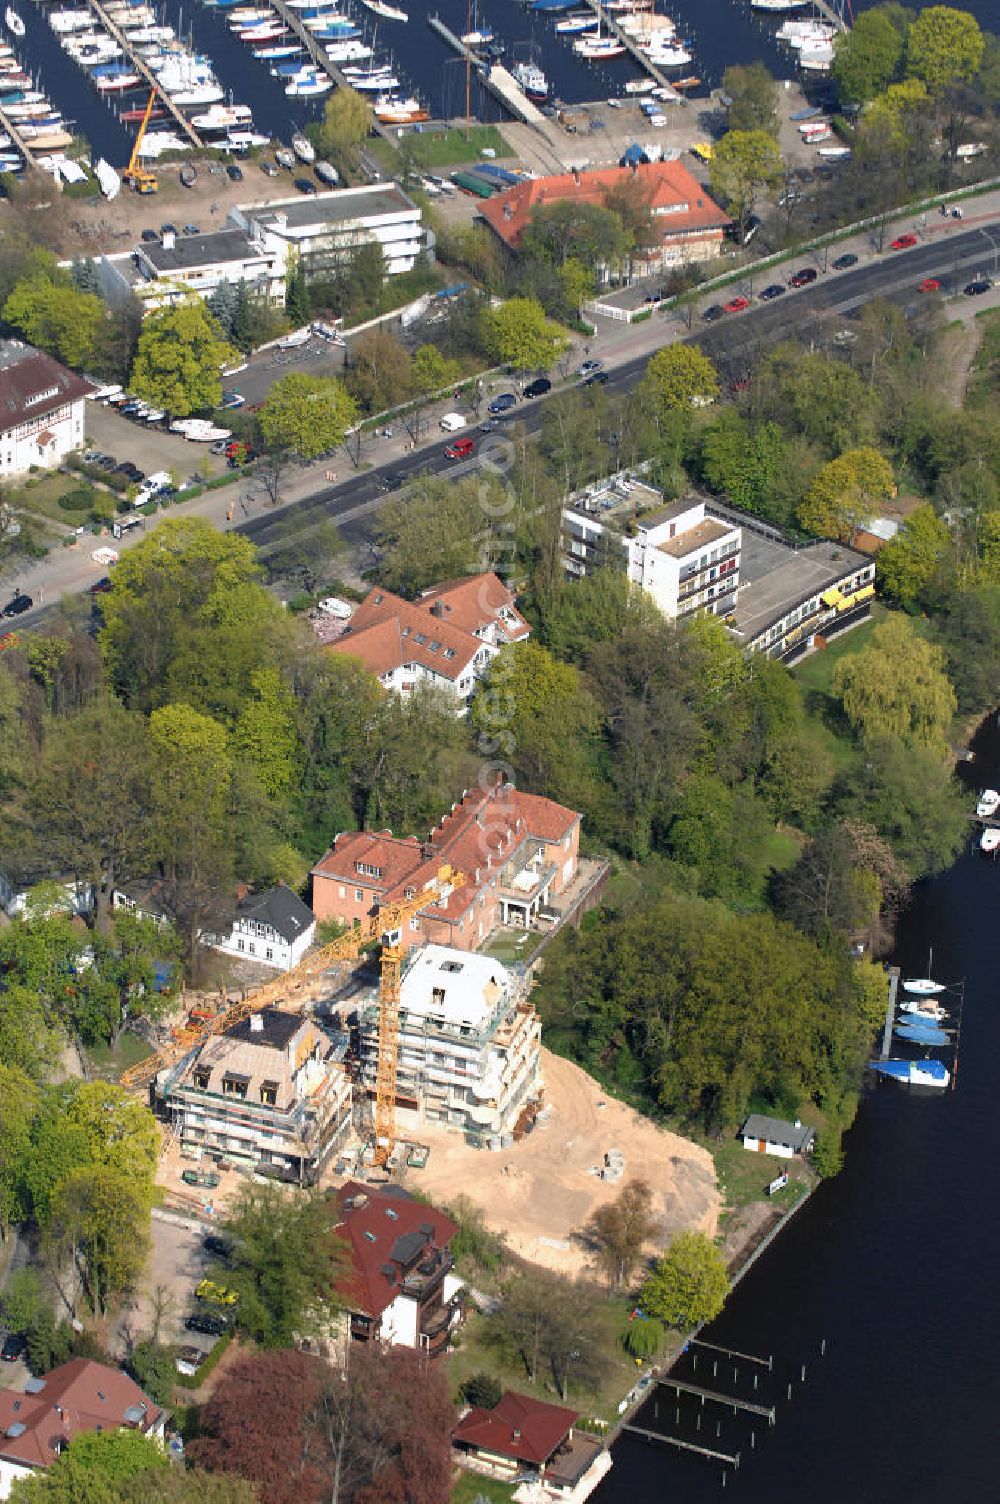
[[576, 176], [168, 240], [508, 211], [256, 1023], [516, 1434]]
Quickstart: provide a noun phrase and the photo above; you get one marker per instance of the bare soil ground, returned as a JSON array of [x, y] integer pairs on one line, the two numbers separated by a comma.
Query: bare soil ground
[[541, 1191], [958, 349]]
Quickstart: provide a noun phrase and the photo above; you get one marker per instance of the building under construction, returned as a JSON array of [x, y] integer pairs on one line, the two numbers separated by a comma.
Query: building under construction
[[468, 1045]]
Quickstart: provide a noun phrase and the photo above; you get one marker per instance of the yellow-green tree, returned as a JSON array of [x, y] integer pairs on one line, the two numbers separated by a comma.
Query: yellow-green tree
[[265, 735], [677, 378], [518, 334], [57, 317], [688, 1285], [347, 122], [179, 359], [431, 371], [908, 562], [898, 110], [846, 493], [743, 163], [866, 56], [307, 414], [944, 45], [897, 687]]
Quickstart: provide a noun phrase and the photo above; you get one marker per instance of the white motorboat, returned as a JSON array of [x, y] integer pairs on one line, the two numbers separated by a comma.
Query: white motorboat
[[930, 1012], [574, 24], [308, 87], [801, 33], [640, 86], [598, 49], [476, 38], [924, 987], [989, 803], [669, 57], [777, 5], [397, 112], [108, 180], [14, 22], [389, 12], [989, 841], [532, 80], [303, 148]]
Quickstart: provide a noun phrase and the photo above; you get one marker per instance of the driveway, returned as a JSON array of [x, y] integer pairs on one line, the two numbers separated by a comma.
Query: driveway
[[176, 1263]]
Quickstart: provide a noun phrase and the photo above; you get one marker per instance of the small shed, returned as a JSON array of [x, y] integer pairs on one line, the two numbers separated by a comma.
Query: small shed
[[763, 1135]]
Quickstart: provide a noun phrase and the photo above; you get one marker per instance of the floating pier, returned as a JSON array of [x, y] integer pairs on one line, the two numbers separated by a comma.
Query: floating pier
[[319, 55], [141, 67], [20, 143], [731, 1402], [501, 84], [729, 1352], [730, 1459], [607, 19], [890, 1012]]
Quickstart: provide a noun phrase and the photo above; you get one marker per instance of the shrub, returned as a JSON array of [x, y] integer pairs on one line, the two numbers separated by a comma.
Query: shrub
[[79, 499], [482, 1389]]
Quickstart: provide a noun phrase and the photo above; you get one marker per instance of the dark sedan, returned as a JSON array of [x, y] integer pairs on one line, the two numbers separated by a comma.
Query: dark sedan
[[804, 277], [712, 312], [538, 388], [976, 288], [776, 290], [843, 262], [208, 1323], [597, 378], [305, 185], [503, 403], [18, 604]]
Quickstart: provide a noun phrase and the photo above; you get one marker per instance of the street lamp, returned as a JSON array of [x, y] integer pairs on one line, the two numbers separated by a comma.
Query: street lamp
[[994, 247]]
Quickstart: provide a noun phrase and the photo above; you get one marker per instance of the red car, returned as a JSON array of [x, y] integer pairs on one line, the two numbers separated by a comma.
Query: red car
[[903, 242], [929, 284], [461, 449], [736, 305], [804, 277]]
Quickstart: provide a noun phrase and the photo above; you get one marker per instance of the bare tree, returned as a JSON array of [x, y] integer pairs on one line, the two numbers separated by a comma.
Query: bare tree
[[617, 1232]]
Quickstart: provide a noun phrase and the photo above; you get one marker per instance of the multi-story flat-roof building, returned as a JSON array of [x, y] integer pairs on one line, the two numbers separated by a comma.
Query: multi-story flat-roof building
[[272, 1093], [683, 556], [469, 1044]]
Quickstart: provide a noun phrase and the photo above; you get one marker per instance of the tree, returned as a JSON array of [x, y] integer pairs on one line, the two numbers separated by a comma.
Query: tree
[[119, 1132], [897, 686], [753, 98], [265, 735], [907, 793], [688, 1285], [590, 234], [743, 163], [909, 561], [380, 375], [153, 1365], [432, 371], [54, 315], [825, 890], [619, 1230], [899, 116], [305, 555], [678, 378], [192, 1486], [100, 1219], [93, 1468], [367, 271], [643, 1337], [179, 359], [307, 414], [548, 1323], [944, 44], [750, 467], [482, 1389], [846, 493], [518, 334], [20, 1098], [867, 56], [298, 304], [284, 1265], [347, 121], [433, 535]]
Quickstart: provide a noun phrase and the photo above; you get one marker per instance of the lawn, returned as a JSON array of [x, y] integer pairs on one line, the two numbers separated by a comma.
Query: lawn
[[110, 1063], [815, 673], [40, 495], [433, 149], [470, 1487], [509, 946], [744, 1177]]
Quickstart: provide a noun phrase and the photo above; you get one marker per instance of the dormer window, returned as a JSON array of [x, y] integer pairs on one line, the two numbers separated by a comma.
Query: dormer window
[[201, 1080]]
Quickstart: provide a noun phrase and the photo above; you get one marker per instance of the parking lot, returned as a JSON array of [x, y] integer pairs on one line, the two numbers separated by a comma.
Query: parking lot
[[177, 1262], [151, 448]]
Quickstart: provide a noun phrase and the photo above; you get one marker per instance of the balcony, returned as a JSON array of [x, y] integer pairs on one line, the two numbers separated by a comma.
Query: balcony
[[424, 1278]]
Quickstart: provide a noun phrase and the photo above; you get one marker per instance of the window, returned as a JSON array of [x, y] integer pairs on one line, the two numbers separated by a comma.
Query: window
[[269, 954], [253, 948], [269, 1093], [240, 945], [420, 637], [201, 1080], [341, 891], [359, 895]]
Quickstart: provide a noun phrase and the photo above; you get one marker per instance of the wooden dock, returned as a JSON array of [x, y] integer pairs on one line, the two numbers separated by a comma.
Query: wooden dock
[[729, 1459], [890, 1012], [21, 144], [496, 80], [321, 58], [729, 1352], [730, 1401], [608, 21], [141, 67]]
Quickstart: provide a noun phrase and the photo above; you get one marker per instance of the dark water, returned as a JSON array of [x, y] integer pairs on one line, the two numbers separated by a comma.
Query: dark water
[[718, 32], [893, 1263]]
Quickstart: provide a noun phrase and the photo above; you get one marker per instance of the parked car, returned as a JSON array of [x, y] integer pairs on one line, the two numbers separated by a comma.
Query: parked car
[[168, 229], [191, 230], [18, 604], [148, 235], [538, 388], [843, 262], [804, 277], [270, 168], [13, 1347], [597, 378], [219, 1295], [390, 480], [588, 366], [207, 1178], [776, 290], [305, 185], [503, 403], [902, 242], [100, 587], [712, 312], [234, 173], [929, 284], [188, 1360], [977, 286], [232, 399], [460, 449], [218, 1247], [207, 1322], [736, 305]]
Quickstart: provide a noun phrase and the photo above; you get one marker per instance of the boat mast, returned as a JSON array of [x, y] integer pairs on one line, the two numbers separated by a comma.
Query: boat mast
[[468, 69]]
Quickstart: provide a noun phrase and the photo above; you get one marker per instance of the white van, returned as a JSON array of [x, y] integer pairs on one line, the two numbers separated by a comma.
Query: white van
[[452, 422]]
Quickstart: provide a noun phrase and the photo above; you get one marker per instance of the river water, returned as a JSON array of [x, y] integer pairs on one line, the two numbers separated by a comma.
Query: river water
[[719, 32], [893, 1264]]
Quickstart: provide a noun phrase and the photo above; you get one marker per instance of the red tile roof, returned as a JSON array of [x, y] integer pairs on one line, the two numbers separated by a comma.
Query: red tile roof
[[387, 1233], [475, 604], [526, 1429], [395, 858], [27, 374], [679, 203], [77, 1396]]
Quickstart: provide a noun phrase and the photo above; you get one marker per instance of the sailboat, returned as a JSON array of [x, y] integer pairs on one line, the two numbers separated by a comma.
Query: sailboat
[[928, 1034], [914, 1072], [924, 987], [14, 21]]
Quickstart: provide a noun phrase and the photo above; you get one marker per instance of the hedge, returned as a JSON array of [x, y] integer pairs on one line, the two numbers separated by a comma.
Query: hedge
[[202, 1372]]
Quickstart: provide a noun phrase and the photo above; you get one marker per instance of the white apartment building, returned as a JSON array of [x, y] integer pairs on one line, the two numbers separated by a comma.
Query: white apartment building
[[41, 409], [686, 559], [469, 1045], [325, 227]]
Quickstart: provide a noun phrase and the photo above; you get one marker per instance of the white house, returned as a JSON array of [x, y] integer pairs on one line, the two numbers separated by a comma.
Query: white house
[[763, 1135], [41, 409], [73, 897], [275, 928]]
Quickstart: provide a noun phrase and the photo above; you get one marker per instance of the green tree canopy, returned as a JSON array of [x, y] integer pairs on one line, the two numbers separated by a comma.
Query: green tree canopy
[[179, 359], [743, 163], [52, 314], [93, 1469], [306, 414], [897, 686], [688, 1285], [434, 534], [519, 334], [347, 121], [99, 1218], [867, 56], [909, 561], [432, 371], [753, 98], [751, 467], [944, 45], [678, 377], [846, 494], [380, 375], [589, 234]]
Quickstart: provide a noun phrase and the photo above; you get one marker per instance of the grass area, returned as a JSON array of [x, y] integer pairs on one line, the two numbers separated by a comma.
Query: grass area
[[781, 849], [470, 1487], [112, 1062], [40, 494], [508, 946], [815, 673], [744, 1177], [619, 1372], [432, 149]]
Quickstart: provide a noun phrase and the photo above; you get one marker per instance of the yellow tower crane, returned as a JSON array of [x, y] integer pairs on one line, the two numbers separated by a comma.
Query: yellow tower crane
[[387, 926], [135, 176]]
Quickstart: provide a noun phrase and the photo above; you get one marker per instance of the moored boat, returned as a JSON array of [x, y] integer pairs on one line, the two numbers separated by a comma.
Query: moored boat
[[923, 986], [928, 1034], [914, 1072], [14, 21], [303, 148], [532, 80], [930, 1013], [989, 841], [389, 12], [398, 111], [989, 803]]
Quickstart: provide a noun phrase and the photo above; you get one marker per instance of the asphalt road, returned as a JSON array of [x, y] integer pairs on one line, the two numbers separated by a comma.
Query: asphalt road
[[732, 343]]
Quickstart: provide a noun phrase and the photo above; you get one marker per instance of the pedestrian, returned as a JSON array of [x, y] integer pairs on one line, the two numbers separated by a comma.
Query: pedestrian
[[229, 513]]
